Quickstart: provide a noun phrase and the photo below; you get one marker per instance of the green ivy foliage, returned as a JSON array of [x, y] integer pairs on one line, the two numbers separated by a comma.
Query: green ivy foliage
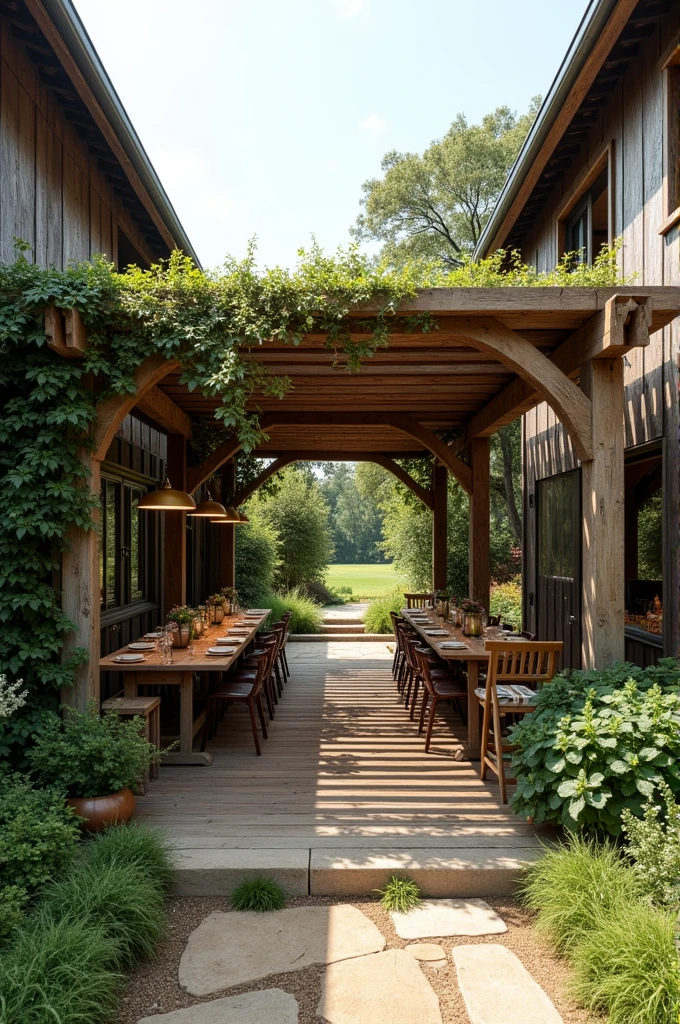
[[598, 743]]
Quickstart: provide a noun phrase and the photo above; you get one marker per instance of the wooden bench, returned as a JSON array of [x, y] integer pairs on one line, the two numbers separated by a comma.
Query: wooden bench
[[148, 708]]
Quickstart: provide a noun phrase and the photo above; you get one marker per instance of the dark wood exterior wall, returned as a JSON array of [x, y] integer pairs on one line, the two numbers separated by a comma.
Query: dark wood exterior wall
[[53, 192], [633, 124]]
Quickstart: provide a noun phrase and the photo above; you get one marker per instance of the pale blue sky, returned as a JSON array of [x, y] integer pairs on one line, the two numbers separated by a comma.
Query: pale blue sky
[[264, 117]]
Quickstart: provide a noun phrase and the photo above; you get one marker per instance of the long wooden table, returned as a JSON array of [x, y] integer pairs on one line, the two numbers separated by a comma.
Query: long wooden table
[[474, 653], [180, 673]]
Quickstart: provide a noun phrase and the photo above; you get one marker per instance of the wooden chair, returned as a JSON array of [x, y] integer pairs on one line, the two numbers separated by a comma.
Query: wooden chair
[[419, 600], [439, 684], [399, 645], [511, 662], [242, 687]]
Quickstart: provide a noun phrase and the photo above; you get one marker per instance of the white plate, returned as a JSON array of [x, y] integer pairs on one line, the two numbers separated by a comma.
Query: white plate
[[453, 645], [435, 632], [153, 636], [223, 647], [128, 658], [238, 632], [141, 646], [256, 611], [224, 651]]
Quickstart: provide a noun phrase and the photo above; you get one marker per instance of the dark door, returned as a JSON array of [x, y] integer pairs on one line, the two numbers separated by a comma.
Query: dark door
[[558, 615]]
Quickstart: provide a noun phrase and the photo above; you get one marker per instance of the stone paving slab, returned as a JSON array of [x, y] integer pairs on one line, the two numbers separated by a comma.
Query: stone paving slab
[[206, 872], [273, 1005], [497, 987], [427, 952], [385, 988], [448, 917], [229, 949]]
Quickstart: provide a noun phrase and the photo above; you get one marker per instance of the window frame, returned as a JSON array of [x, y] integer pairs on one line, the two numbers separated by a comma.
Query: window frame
[[669, 65], [603, 159]]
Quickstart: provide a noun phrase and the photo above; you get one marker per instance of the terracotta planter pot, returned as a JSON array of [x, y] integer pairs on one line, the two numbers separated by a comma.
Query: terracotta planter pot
[[100, 811]]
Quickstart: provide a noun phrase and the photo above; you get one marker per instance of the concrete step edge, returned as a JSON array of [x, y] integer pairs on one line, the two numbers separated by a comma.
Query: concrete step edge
[[447, 872], [340, 637]]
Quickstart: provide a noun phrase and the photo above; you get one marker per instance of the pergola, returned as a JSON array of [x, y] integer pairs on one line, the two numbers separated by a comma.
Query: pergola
[[491, 354]]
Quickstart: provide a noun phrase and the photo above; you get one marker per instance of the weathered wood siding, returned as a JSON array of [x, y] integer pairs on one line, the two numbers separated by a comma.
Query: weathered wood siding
[[52, 193], [634, 122]]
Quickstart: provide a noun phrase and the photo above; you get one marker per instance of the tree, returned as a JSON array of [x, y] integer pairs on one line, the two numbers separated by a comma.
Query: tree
[[356, 520], [435, 206], [256, 558], [299, 515]]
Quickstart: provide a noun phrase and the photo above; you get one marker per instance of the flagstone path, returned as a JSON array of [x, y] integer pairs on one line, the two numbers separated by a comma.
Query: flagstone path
[[363, 982]]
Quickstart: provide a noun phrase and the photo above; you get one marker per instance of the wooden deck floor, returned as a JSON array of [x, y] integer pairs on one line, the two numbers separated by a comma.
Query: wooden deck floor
[[343, 767]]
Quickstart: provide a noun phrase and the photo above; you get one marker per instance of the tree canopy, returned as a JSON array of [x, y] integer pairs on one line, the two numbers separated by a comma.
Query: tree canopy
[[435, 205]]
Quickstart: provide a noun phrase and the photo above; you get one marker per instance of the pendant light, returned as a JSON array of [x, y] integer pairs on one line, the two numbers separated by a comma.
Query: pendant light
[[209, 509], [243, 519], [230, 517], [166, 499]]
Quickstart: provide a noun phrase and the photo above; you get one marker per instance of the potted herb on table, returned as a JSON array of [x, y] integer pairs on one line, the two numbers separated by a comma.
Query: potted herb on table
[[474, 616], [218, 602], [96, 761], [183, 617], [229, 595]]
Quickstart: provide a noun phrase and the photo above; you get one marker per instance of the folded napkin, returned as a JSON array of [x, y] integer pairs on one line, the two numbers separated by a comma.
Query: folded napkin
[[454, 645]]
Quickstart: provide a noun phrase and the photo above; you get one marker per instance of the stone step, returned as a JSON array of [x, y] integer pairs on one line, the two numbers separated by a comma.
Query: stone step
[[342, 627], [315, 638], [448, 872]]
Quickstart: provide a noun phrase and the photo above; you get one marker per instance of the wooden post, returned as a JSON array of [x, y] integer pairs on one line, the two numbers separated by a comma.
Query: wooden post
[[80, 601], [228, 533], [175, 552], [479, 521], [602, 482], [439, 526]]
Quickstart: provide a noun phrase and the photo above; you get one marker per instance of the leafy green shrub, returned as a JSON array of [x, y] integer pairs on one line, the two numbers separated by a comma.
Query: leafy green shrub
[[400, 895], [127, 905], [654, 847], [506, 601], [59, 971], [306, 614], [299, 515], [38, 834], [322, 594], [19, 731], [571, 884], [259, 894], [89, 755], [13, 899], [627, 965], [256, 559], [598, 742], [377, 615], [141, 848]]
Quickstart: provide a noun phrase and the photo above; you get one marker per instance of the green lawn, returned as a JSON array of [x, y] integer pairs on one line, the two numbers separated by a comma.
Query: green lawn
[[365, 580]]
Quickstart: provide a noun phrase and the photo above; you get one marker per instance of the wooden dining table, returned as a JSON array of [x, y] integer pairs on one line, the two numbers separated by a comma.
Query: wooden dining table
[[474, 653], [152, 671]]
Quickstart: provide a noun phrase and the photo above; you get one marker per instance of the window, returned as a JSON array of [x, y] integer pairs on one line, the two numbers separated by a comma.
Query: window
[[556, 526], [125, 545], [587, 227], [644, 540], [672, 131]]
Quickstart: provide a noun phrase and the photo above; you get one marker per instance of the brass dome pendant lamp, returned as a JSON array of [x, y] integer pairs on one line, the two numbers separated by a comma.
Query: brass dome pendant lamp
[[230, 517], [210, 509], [167, 499]]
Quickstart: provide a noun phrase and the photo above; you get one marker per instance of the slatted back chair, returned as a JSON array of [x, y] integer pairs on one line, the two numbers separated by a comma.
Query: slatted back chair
[[419, 600], [398, 651], [511, 663], [285, 619]]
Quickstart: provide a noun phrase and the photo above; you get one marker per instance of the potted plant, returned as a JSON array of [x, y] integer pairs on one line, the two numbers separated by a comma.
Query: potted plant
[[218, 606], [184, 617], [229, 595], [474, 615], [96, 761]]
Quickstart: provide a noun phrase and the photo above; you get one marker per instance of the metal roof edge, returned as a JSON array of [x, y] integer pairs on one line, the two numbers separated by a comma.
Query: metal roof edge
[[74, 35], [593, 21]]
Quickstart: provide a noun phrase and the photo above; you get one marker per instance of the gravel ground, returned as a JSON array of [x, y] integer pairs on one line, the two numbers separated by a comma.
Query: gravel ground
[[153, 987]]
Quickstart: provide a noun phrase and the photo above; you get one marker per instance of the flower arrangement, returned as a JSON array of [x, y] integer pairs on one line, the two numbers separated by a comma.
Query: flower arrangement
[[470, 607], [218, 599], [10, 698], [228, 593], [181, 614]]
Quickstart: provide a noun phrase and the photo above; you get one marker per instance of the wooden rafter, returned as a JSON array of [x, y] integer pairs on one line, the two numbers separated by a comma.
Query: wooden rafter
[[112, 412], [274, 467], [167, 414]]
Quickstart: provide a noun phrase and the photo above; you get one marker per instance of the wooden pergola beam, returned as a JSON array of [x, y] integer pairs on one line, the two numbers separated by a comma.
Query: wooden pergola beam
[[274, 467], [199, 474], [624, 323], [111, 413], [568, 401], [167, 414]]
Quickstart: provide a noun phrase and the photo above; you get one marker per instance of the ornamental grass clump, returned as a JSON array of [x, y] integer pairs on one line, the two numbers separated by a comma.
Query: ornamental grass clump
[[142, 850], [574, 885], [306, 615], [60, 971], [377, 617], [627, 966], [400, 895], [127, 905], [258, 894]]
